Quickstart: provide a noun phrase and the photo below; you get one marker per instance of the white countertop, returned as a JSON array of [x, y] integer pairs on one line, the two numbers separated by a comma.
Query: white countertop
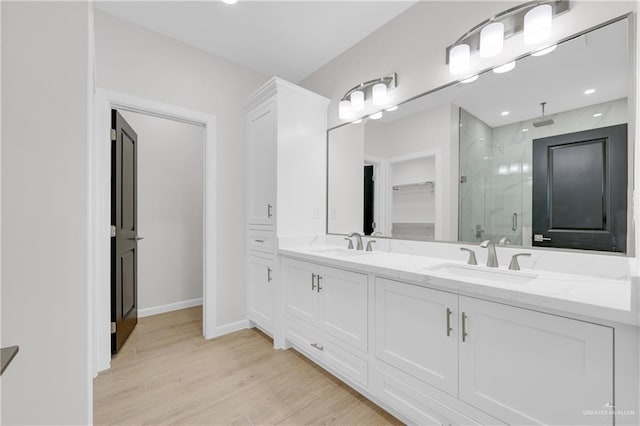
[[595, 298]]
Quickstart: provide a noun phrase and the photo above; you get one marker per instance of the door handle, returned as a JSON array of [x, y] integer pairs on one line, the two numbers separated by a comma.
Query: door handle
[[449, 322], [313, 282], [540, 238], [269, 270], [269, 207], [464, 327], [514, 222], [319, 287], [136, 238]]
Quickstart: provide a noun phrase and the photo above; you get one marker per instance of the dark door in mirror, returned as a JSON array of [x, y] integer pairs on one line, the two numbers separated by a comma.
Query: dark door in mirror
[[580, 190], [368, 220]]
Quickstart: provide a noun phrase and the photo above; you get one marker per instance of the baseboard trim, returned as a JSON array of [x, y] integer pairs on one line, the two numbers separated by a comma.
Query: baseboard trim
[[232, 327], [161, 309]]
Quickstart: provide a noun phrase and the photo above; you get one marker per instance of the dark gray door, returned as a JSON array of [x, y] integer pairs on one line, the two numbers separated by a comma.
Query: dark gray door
[[580, 190], [368, 220], [124, 245]]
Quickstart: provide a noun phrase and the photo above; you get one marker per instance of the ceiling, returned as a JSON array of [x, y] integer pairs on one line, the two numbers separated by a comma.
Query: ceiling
[[288, 39], [597, 60]]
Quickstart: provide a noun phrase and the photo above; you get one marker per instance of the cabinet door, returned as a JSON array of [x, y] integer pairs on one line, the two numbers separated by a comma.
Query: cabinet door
[[299, 280], [262, 164], [260, 292], [416, 332], [526, 367], [343, 305]]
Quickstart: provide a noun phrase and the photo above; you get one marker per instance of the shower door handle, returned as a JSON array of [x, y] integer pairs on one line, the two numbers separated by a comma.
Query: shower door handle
[[514, 222]]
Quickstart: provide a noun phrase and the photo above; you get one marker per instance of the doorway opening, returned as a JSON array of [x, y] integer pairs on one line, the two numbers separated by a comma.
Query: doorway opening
[[99, 210], [157, 205]]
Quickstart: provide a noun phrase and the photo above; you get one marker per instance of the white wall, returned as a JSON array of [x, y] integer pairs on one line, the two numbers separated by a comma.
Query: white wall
[[146, 64], [346, 180], [170, 209], [45, 291]]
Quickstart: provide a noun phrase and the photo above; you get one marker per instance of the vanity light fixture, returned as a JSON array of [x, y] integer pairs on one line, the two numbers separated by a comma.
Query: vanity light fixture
[[533, 18], [376, 116], [230, 1], [544, 51], [470, 79], [392, 108], [505, 68], [376, 90], [589, 91]]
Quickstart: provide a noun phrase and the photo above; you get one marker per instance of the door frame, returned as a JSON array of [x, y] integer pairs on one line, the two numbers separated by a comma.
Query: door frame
[[99, 213]]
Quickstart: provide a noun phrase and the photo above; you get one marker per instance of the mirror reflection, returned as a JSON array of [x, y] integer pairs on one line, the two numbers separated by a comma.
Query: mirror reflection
[[535, 156]]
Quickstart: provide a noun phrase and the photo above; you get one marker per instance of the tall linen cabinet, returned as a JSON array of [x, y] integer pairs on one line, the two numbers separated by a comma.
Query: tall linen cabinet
[[286, 185]]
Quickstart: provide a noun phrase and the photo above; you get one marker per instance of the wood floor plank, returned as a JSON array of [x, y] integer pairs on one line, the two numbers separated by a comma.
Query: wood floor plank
[[166, 373]]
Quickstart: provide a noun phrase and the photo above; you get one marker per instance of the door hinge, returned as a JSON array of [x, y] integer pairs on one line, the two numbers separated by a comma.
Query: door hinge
[[113, 135], [113, 231], [113, 327]]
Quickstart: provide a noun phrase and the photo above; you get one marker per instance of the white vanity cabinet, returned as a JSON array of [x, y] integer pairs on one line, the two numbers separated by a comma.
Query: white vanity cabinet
[[527, 367], [416, 331], [260, 295], [286, 169], [333, 300]]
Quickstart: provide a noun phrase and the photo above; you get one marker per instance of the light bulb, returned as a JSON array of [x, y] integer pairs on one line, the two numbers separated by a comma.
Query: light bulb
[[505, 68], [376, 115], [358, 121], [230, 1], [379, 94], [537, 24], [459, 59], [470, 79], [357, 100], [491, 40], [544, 51], [392, 108], [344, 110]]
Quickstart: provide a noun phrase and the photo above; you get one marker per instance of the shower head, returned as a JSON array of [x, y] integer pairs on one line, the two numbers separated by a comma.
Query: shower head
[[543, 121]]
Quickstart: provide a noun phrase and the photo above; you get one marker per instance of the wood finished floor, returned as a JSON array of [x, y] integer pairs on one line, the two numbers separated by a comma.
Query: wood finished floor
[[166, 373]]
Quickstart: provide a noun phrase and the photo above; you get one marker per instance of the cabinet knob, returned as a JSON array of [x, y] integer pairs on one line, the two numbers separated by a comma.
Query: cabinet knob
[[449, 329], [464, 327], [319, 287], [269, 207], [313, 282], [269, 278]]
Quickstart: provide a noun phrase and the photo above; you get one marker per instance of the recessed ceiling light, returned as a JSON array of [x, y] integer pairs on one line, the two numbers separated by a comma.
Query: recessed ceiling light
[[525, 130], [545, 50], [376, 116], [393, 108], [470, 79], [230, 1], [505, 68], [589, 91], [358, 121], [503, 113], [597, 114]]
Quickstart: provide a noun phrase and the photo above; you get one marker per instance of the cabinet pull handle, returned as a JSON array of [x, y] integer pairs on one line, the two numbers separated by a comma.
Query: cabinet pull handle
[[269, 207], [449, 322], [317, 346], [313, 282], [269, 270], [514, 222], [464, 327], [319, 287], [259, 241]]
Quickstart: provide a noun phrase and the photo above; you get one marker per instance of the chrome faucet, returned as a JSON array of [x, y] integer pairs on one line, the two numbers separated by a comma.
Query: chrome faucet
[[492, 257], [358, 239]]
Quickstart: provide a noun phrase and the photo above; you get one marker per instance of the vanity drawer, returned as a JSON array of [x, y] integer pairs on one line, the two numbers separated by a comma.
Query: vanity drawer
[[261, 240], [310, 342]]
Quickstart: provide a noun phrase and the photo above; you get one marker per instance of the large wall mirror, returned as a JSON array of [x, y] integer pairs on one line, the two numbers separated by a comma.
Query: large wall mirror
[[540, 155]]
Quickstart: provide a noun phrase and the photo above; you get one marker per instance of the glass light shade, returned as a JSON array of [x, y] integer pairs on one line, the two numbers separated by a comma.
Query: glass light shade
[[537, 24], [357, 100], [376, 115], [230, 1], [505, 68], [392, 108], [544, 51], [470, 79], [459, 59], [491, 40], [344, 110], [379, 94]]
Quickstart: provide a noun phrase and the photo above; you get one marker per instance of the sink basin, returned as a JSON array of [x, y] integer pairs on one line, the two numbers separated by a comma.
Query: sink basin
[[484, 273]]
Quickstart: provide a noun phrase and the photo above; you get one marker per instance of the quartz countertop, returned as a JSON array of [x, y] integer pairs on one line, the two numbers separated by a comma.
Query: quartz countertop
[[595, 298]]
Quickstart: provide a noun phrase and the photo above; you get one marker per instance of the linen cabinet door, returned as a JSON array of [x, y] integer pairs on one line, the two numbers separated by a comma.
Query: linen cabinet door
[[343, 305], [526, 367], [300, 286], [260, 292], [262, 164], [416, 331]]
